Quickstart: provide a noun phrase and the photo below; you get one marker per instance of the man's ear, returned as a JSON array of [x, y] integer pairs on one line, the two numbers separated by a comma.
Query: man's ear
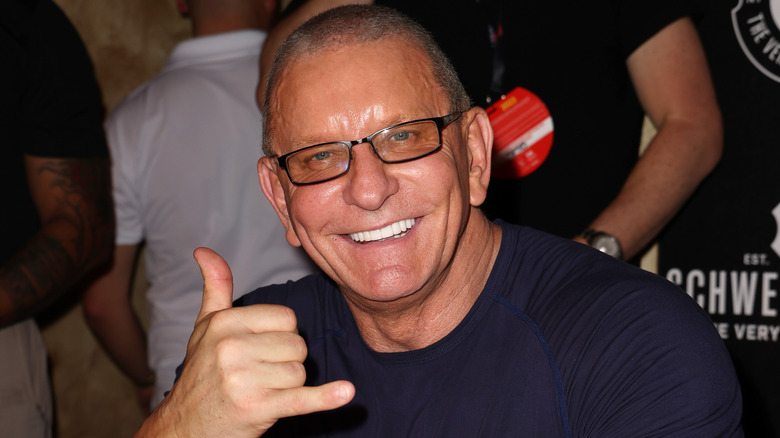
[[272, 187], [480, 147]]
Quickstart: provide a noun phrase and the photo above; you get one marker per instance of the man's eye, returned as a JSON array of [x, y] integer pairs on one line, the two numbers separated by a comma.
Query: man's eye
[[322, 155], [401, 136]]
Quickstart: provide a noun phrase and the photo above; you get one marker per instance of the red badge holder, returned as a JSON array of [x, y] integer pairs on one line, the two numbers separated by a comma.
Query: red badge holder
[[523, 134]]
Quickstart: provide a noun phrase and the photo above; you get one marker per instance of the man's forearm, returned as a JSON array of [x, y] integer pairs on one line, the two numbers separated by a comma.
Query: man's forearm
[[110, 315], [670, 76], [673, 165], [73, 200], [120, 333], [40, 272]]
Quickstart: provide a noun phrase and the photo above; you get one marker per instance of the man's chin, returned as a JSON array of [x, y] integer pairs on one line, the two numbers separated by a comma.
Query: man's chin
[[381, 292]]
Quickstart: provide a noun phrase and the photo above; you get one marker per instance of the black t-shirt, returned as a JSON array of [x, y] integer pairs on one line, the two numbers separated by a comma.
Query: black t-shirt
[[49, 105]]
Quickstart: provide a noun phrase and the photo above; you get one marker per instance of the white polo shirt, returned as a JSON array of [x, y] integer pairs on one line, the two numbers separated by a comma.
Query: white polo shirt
[[185, 147]]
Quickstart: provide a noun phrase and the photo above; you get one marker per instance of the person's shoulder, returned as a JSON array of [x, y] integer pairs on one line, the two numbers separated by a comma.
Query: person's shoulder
[[530, 242], [150, 99], [616, 328], [152, 89], [530, 255], [552, 269], [607, 298], [132, 105], [190, 66]]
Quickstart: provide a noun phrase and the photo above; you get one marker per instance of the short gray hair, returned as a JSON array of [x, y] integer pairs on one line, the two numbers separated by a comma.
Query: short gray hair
[[355, 24]]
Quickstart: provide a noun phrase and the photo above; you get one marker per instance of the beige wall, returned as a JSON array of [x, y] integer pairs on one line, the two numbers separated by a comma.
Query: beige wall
[[128, 41]]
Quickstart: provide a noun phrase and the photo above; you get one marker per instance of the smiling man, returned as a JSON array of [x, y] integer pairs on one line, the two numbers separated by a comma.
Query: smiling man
[[429, 320]]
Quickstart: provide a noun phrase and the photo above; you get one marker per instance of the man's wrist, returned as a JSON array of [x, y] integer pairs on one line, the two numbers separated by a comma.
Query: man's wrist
[[604, 242]]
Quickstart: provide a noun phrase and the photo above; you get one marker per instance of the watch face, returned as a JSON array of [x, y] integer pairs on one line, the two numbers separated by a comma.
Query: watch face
[[607, 244], [604, 242]]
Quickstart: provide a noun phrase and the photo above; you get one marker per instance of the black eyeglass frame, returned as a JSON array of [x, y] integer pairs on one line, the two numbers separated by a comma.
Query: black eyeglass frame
[[441, 123]]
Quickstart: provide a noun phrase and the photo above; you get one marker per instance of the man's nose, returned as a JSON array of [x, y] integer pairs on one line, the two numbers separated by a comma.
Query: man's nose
[[369, 181]]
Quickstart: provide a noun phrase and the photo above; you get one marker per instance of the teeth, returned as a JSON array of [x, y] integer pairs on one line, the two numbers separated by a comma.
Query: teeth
[[394, 230]]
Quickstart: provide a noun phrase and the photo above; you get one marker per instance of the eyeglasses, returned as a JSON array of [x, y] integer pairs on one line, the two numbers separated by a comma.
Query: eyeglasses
[[397, 144]]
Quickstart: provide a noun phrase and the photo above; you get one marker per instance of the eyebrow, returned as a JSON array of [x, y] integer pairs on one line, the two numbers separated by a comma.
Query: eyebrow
[[310, 141]]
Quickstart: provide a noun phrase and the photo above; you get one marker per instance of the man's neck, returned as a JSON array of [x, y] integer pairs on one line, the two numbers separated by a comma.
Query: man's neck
[[212, 18], [212, 27], [424, 318]]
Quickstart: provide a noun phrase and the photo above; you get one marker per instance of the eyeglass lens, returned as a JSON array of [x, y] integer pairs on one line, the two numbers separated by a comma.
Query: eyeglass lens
[[396, 144]]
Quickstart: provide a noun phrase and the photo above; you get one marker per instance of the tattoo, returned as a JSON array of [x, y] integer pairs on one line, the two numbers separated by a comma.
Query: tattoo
[[40, 268], [72, 241], [82, 186]]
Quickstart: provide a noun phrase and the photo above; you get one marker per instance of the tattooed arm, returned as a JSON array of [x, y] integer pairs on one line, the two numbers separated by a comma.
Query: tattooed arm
[[73, 200]]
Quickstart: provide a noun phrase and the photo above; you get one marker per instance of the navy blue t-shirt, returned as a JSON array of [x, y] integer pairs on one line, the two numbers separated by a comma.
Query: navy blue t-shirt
[[563, 341]]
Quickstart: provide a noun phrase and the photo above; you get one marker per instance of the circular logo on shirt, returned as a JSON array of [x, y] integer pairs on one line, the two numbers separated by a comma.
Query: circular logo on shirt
[[757, 27]]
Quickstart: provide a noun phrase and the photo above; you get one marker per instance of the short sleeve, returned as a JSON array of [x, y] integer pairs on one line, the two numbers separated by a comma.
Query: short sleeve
[[124, 175], [639, 21], [60, 113]]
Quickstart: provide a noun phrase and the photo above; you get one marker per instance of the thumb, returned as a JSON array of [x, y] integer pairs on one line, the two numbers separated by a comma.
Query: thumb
[[217, 282]]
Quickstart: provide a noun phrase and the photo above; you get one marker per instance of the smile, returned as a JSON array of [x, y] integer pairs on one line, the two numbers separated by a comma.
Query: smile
[[396, 230]]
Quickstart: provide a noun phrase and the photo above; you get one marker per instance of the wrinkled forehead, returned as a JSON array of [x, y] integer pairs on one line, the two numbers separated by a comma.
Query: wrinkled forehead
[[351, 89]]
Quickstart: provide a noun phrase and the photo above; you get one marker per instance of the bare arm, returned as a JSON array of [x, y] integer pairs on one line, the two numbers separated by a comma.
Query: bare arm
[[74, 204], [110, 316], [673, 83]]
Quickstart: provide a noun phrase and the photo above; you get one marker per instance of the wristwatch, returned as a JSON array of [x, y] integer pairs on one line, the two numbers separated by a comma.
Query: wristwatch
[[606, 243]]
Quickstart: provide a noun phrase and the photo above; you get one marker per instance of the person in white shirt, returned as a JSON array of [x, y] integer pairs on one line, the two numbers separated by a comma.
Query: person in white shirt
[[184, 148]]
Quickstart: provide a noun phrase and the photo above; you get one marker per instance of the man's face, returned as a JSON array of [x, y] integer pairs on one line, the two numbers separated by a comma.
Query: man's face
[[348, 94]]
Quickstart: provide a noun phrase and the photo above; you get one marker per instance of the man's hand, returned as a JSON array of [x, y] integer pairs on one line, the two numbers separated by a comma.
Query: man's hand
[[244, 368]]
